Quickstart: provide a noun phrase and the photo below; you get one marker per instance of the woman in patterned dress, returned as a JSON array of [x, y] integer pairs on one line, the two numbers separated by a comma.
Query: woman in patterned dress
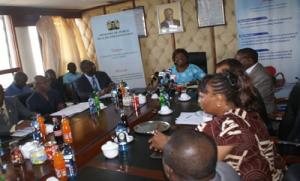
[[242, 138]]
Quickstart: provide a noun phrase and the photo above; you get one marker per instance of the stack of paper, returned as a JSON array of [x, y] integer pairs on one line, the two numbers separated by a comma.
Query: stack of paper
[[71, 110], [193, 118], [23, 132]]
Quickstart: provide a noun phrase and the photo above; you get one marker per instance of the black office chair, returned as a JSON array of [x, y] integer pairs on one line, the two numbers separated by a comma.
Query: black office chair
[[199, 59], [293, 173], [289, 128]]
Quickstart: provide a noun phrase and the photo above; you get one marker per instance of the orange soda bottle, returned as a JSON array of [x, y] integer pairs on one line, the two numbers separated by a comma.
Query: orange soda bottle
[[66, 130], [41, 121], [59, 166]]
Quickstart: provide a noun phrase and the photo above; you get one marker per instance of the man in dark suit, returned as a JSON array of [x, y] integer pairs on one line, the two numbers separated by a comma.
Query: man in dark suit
[[260, 78], [92, 80], [11, 112], [169, 20]]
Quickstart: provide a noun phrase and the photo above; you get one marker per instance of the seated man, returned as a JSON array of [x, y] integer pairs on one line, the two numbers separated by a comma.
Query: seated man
[[11, 112], [18, 86], [55, 84], [191, 155], [44, 100], [72, 75], [260, 78], [92, 80]]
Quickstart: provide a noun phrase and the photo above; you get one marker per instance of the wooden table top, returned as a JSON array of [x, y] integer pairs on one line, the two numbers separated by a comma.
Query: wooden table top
[[89, 134]]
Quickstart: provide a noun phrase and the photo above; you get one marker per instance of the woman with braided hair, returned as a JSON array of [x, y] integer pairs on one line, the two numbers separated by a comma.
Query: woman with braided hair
[[242, 138]]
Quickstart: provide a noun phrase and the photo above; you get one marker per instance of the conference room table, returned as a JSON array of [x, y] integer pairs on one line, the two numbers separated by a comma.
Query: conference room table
[[137, 164], [89, 134]]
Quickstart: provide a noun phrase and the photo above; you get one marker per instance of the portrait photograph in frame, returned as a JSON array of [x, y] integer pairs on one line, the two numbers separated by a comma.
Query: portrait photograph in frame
[[210, 13], [169, 18]]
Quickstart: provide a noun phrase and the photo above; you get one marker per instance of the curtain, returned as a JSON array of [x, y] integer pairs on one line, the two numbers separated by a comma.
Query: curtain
[[50, 43], [87, 37], [64, 40]]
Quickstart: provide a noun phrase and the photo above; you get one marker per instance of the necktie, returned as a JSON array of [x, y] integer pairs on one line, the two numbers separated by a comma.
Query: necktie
[[95, 87], [4, 115]]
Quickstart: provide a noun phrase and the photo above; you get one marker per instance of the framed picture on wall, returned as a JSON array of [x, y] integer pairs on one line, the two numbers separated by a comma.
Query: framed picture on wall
[[210, 13], [140, 21], [169, 18]]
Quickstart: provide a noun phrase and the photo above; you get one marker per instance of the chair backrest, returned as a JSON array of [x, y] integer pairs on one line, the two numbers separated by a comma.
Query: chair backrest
[[279, 79], [271, 70], [293, 173], [199, 59], [289, 128]]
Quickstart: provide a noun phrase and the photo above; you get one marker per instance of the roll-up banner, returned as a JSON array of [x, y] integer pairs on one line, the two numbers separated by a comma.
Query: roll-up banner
[[272, 28], [117, 47]]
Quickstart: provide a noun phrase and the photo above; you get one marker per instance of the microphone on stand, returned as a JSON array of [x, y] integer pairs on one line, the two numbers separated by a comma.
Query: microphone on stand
[[154, 77]]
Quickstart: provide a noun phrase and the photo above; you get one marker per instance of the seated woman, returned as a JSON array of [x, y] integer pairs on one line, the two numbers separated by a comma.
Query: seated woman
[[185, 73], [241, 137], [250, 97], [44, 100]]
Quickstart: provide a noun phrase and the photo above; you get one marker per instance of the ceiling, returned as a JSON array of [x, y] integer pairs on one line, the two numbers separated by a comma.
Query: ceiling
[[58, 4]]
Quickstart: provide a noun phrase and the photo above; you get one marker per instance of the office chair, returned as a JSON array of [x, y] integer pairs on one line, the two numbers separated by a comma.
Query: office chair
[[278, 77], [199, 59]]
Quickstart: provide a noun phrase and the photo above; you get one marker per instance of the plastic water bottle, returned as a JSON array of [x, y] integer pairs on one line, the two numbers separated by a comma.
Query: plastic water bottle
[[36, 134], [114, 95], [92, 106], [97, 103], [69, 157], [1, 149], [121, 133]]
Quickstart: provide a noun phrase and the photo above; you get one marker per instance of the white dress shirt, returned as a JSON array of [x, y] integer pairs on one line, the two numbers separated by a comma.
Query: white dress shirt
[[90, 78], [249, 70]]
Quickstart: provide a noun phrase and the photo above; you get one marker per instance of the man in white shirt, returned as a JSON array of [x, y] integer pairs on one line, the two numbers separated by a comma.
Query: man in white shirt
[[260, 78], [92, 80]]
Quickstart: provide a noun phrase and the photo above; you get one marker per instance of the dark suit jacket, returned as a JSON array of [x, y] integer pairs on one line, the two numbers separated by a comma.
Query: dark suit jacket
[[84, 88], [16, 112], [37, 103], [265, 85], [165, 24]]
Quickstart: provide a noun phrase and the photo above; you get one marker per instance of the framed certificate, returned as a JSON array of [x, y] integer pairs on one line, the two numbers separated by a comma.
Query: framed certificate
[[210, 12], [140, 21]]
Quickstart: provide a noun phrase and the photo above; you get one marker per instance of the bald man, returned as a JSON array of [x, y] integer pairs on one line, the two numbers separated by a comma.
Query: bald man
[[19, 86], [44, 100], [192, 155]]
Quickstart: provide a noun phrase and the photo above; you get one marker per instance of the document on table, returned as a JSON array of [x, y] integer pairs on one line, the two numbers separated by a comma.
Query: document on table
[[22, 132], [193, 118], [105, 96], [71, 110]]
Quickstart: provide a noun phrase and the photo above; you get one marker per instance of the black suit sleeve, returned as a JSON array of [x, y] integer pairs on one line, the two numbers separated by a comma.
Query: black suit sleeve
[[83, 88], [103, 79], [24, 113]]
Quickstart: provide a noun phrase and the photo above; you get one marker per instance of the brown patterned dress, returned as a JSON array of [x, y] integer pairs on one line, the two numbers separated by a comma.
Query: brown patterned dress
[[253, 155]]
